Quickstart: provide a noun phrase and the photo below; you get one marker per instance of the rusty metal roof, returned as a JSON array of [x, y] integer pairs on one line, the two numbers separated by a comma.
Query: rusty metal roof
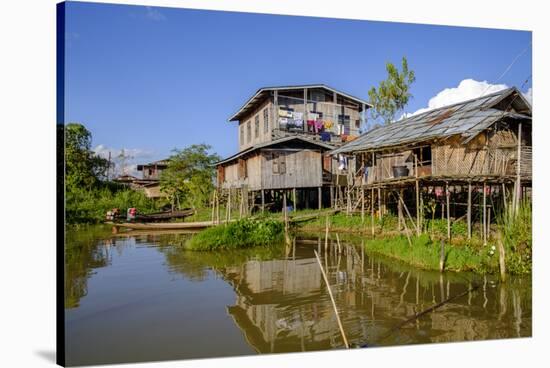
[[324, 145], [468, 119]]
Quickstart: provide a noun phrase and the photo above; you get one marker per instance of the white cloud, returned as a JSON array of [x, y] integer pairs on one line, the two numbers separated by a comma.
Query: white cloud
[[154, 14], [466, 90], [127, 164], [529, 95]]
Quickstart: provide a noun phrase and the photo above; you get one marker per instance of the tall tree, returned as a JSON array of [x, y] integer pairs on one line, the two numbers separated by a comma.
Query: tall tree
[[392, 94], [83, 168], [189, 177]]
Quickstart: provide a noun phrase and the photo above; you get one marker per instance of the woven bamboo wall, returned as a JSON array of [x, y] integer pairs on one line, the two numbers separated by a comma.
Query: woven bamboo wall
[[491, 153]]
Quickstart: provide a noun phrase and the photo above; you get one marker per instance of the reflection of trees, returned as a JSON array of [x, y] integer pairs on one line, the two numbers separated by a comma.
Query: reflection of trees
[[83, 253]]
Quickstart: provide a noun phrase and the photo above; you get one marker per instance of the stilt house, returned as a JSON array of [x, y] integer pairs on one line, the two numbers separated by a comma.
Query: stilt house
[[283, 134], [481, 145]]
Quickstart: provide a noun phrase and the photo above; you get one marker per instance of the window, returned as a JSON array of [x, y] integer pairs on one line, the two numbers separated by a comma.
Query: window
[[345, 121], [279, 164], [257, 126], [242, 134], [266, 121], [242, 169], [248, 132]]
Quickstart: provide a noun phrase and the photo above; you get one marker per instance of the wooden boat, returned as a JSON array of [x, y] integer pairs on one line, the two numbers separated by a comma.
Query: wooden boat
[[164, 225], [163, 216]]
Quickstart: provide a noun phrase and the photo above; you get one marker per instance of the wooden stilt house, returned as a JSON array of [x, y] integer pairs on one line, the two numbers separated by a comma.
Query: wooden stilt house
[[482, 146], [284, 133]]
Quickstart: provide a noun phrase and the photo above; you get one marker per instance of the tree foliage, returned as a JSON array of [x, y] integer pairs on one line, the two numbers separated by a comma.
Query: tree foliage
[[83, 168], [189, 177], [392, 94]]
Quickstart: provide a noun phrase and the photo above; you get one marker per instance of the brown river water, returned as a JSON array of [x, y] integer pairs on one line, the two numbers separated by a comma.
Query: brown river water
[[141, 297]]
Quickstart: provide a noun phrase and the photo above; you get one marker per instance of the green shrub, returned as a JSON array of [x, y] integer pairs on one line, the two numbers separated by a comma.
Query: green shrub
[[243, 233]]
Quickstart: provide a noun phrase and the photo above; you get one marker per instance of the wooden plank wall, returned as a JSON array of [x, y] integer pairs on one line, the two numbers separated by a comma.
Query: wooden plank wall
[[303, 169]]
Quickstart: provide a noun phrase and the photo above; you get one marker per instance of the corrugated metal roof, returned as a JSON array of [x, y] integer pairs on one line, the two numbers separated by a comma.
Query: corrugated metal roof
[[271, 143], [258, 95], [467, 118]]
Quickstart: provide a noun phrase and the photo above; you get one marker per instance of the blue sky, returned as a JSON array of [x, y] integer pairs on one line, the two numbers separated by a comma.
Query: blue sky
[[153, 79]]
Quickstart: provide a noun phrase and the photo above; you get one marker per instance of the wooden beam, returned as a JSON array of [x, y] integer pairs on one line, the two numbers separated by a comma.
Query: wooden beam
[[372, 210], [320, 198], [294, 199]]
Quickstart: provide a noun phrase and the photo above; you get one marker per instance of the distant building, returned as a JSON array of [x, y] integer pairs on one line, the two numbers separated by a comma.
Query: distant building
[[150, 181]]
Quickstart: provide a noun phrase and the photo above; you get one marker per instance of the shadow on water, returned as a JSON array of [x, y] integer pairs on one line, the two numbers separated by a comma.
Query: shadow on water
[[273, 299]]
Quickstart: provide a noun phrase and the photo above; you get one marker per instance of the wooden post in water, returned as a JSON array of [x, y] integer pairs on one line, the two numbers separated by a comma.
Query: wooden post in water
[[448, 195], [501, 259], [326, 233], [442, 257], [332, 300], [338, 242], [362, 204], [484, 213], [469, 211], [372, 210]]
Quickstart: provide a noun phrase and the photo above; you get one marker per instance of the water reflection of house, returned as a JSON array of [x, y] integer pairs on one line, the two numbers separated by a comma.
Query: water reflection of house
[[281, 305]]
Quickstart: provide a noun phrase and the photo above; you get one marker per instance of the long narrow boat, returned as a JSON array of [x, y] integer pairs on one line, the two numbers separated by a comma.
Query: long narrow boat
[[164, 225]]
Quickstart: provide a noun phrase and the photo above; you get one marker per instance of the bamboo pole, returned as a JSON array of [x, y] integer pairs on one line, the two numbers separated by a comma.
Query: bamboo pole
[[407, 211], [229, 206], [442, 257], [362, 204], [518, 178], [338, 242], [326, 233], [484, 213], [417, 196], [332, 300], [263, 201], [469, 213], [379, 205], [501, 259], [372, 210], [213, 205], [448, 195]]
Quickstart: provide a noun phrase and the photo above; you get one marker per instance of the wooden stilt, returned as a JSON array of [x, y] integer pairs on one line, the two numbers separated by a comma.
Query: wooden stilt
[[229, 205], [332, 196], [263, 200], [294, 203], [320, 197], [399, 210], [518, 173], [417, 187], [448, 195], [362, 204], [484, 213], [469, 211], [372, 210], [379, 205]]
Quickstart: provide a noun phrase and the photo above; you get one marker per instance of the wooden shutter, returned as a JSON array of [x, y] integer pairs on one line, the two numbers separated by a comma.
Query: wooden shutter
[[282, 164], [275, 163]]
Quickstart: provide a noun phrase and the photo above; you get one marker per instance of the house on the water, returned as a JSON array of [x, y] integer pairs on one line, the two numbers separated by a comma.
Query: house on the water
[[463, 155], [284, 134]]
